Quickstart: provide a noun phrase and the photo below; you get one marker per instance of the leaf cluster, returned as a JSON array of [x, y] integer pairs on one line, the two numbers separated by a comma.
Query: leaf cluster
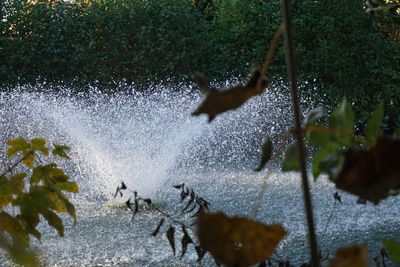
[[363, 164], [39, 191], [193, 205]]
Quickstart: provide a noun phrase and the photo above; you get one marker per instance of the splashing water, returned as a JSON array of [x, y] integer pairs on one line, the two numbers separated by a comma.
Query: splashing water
[[149, 140], [140, 138]]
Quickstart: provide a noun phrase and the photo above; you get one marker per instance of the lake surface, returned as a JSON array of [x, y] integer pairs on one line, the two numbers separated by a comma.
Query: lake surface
[[150, 141]]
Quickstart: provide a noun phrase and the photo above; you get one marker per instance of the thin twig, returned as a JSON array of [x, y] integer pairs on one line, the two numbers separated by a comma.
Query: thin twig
[[291, 73], [330, 217], [169, 216], [16, 163], [268, 56]]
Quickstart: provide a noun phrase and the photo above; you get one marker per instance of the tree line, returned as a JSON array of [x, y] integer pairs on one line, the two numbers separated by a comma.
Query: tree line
[[342, 49]]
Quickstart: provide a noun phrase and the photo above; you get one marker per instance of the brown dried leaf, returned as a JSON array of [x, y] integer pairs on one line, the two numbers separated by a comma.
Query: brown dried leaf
[[372, 174], [353, 256], [217, 101], [235, 241]]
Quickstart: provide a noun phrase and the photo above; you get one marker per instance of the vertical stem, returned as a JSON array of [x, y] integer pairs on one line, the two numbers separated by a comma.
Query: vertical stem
[[291, 73]]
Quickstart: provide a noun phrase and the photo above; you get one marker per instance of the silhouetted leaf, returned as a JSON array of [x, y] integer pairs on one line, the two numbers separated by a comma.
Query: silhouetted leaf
[[337, 197], [218, 101], [192, 209], [171, 237], [266, 152], [350, 256], [393, 248], [200, 253], [191, 200], [136, 209], [155, 232], [291, 158], [184, 193], [179, 186], [237, 241], [205, 203], [185, 240], [372, 174], [117, 191], [123, 186], [147, 200], [373, 129], [129, 205]]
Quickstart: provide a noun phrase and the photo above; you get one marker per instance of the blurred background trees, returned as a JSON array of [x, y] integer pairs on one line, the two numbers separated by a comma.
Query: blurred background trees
[[344, 48]]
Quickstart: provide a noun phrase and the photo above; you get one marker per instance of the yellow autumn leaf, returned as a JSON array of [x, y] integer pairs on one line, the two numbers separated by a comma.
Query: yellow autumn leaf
[[353, 256], [236, 241], [68, 186], [29, 160], [17, 145]]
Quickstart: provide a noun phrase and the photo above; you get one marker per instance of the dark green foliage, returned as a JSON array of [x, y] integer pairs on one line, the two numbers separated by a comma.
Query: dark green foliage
[[365, 165], [291, 158], [348, 54], [266, 153], [102, 40], [341, 50], [393, 248]]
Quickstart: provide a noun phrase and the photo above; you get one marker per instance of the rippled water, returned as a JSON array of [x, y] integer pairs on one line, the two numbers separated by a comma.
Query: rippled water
[[150, 141]]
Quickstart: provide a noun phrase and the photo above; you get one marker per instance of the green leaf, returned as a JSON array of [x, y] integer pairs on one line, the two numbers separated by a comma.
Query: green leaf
[[266, 152], [29, 159], [58, 175], [291, 158], [320, 156], [5, 191], [17, 145], [38, 144], [53, 220], [40, 173], [342, 121], [61, 151], [332, 164], [13, 227], [393, 248], [70, 209], [19, 253], [318, 135], [373, 129], [17, 183], [68, 186]]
